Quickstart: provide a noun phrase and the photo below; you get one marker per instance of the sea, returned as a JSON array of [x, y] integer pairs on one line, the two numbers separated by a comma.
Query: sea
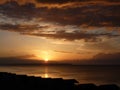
[[83, 74]]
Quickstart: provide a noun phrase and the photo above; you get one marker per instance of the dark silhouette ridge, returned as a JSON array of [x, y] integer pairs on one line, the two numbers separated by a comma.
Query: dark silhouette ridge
[[23, 82]]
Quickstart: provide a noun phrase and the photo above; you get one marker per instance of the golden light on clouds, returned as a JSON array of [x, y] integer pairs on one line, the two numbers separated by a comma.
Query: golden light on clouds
[[43, 55], [46, 56]]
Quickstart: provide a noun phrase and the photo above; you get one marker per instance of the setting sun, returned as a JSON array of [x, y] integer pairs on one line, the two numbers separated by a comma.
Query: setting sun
[[46, 59]]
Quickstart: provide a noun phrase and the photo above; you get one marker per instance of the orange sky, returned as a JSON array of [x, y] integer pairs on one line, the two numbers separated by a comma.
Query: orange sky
[[55, 30]]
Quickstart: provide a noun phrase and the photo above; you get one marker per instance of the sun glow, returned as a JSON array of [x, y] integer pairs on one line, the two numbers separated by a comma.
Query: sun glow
[[46, 75], [44, 55], [46, 59]]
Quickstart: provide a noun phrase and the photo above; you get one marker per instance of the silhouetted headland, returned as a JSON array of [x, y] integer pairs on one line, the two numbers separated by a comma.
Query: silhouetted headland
[[23, 82]]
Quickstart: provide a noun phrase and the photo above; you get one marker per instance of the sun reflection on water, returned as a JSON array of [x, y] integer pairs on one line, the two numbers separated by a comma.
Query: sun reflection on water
[[46, 73]]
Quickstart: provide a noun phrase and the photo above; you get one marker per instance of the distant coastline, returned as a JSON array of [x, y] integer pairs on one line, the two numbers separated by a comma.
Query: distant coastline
[[56, 64]]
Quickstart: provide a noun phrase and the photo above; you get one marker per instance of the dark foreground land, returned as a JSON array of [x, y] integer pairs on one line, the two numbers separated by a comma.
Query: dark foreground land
[[9, 81]]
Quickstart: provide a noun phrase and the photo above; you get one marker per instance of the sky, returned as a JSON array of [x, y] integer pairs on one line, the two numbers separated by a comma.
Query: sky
[[60, 30]]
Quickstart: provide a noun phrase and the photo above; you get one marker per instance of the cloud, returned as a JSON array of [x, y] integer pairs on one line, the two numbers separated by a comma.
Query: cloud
[[25, 56], [22, 28], [19, 60], [66, 1], [68, 22], [14, 10], [58, 33], [88, 37], [101, 59], [62, 51], [92, 15], [107, 45], [107, 58]]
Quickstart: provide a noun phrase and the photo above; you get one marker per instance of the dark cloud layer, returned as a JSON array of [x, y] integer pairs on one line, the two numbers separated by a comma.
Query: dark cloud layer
[[75, 35], [109, 58], [14, 10], [19, 60], [83, 15], [21, 28], [66, 1], [101, 59], [90, 15]]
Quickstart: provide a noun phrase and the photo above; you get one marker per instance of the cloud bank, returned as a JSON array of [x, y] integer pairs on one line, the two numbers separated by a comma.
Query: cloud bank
[[72, 22]]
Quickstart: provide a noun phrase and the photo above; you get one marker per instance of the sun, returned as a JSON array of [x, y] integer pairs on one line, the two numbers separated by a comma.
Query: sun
[[46, 59]]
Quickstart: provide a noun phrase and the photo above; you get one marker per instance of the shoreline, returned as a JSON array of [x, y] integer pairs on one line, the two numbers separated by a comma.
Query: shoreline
[[16, 81]]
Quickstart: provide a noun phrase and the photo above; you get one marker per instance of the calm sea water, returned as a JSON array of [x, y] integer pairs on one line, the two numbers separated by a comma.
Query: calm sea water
[[83, 74]]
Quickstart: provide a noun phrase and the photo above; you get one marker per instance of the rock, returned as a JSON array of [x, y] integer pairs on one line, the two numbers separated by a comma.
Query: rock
[[87, 87], [24, 82], [108, 87]]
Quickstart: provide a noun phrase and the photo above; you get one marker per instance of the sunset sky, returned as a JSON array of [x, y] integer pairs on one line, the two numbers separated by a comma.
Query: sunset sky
[[60, 29]]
